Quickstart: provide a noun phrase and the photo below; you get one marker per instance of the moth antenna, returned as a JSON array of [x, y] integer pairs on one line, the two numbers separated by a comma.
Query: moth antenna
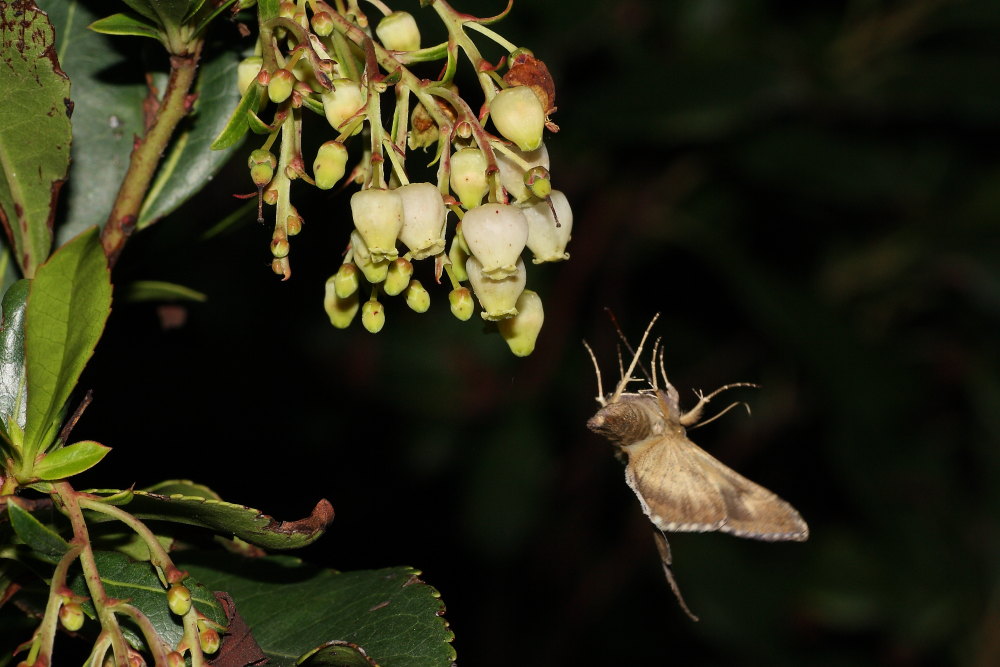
[[628, 346], [664, 548], [663, 372], [691, 417], [597, 370], [621, 366], [657, 347], [716, 416], [627, 377]]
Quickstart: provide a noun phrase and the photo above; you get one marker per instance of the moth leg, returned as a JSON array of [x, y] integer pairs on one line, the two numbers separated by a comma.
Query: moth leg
[[664, 548], [692, 416]]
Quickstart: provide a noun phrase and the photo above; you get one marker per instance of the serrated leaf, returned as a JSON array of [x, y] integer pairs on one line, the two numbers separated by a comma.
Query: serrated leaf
[[230, 519], [35, 131], [45, 542], [13, 405], [125, 24], [238, 121], [137, 582], [156, 290], [107, 115], [68, 304], [295, 608], [188, 166], [70, 460]]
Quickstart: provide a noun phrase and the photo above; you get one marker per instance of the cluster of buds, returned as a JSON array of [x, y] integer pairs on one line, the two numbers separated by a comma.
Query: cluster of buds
[[492, 198]]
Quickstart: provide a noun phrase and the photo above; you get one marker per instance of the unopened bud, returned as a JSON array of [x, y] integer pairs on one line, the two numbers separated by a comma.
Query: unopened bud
[[322, 23], [340, 311], [461, 303], [342, 103], [175, 659], [521, 331], [417, 297], [280, 86], [373, 316], [246, 72], [398, 277], [261, 156], [179, 599], [399, 32], [209, 640], [468, 176], [519, 116], [261, 174], [538, 181], [279, 246], [71, 616], [330, 164], [345, 281], [293, 224]]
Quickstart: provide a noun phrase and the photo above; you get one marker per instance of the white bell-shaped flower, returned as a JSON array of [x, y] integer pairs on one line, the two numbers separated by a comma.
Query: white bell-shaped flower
[[496, 235], [399, 32], [518, 115], [548, 234], [521, 331], [512, 174], [498, 298], [378, 217], [424, 217]]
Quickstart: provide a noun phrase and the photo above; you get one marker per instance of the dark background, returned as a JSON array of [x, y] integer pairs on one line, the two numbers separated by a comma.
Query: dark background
[[809, 193]]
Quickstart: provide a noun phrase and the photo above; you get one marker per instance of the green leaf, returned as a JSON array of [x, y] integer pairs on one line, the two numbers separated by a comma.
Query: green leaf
[[68, 304], [126, 24], [71, 460], [13, 405], [184, 487], [45, 542], [188, 166], [268, 9], [35, 131], [228, 518], [155, 290], [168, 13], [238, 121], [138, 583], [107, 115], [295, 608]]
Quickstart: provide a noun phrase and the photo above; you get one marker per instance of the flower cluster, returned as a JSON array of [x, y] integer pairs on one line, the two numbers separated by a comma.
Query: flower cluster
[[492, 198]]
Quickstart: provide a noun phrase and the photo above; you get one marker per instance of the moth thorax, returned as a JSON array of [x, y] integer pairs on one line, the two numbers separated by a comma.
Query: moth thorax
[[632, 418]]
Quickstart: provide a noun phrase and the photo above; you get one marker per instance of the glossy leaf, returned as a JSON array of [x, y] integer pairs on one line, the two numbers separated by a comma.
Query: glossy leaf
[[244, 522], [71, 460], [13, 404], [45, 542], [163, 12], [35, 131], [107, 115], [188, 165], [156, 290], [137, 582], [68, 304], [295, 609], [239, 121], [125, 24]]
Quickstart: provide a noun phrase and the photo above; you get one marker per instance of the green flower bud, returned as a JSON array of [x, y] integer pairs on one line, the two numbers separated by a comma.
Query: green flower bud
[[175, 659], [373, 316], [375, 270], [342, 103], [417, 297], [496, 235], [322, 23], [458, 256], [71, 616], [279, 246], [399, 32], [209, 640], [345, 281], [398, 277], [179, 599], [521, 331], [461, 303], [468, 176], [341, 311], [280, 86], [293, 224], [330, 164], [378, 217], [261, 156], [513, 175], [497, 297], [271, 196], [261, 174], [424, 218], [246, 72], [548, 232], [286, 9], [519, 116]]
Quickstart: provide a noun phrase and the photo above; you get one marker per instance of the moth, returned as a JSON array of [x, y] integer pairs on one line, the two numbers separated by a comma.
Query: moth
[[682, 488]]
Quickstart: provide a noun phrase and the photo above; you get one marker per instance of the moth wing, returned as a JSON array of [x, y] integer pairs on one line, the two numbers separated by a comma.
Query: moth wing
[[676, 490], [751, 510], [683, 488]]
